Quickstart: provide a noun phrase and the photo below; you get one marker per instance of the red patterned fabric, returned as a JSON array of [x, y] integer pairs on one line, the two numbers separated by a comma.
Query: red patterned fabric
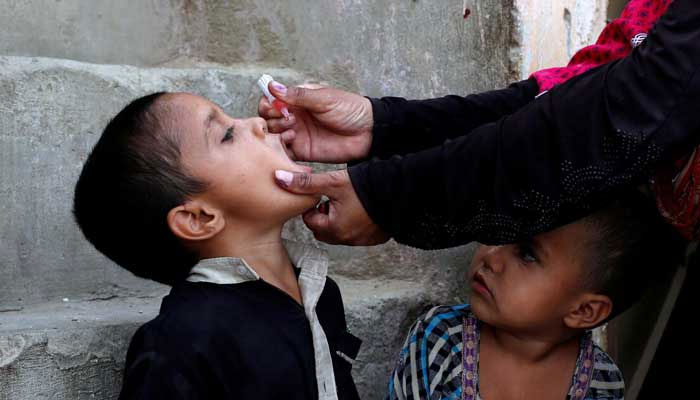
[[615, 42], [677, 190]]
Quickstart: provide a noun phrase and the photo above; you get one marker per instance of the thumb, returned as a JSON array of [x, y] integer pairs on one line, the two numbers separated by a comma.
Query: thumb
[[312, 99], [310, 183]]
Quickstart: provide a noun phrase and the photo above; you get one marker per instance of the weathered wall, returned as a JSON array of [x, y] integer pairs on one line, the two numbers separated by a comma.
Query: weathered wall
[[550, 32], [104, 31], [408, 48], [416, 48]]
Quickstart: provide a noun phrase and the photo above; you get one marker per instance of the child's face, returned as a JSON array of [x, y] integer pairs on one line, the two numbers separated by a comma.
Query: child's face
[[529, 286], [237, 159]]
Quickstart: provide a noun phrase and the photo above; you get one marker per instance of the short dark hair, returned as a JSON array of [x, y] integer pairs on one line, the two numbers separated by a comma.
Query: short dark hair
[[632, 248], [131, 180]]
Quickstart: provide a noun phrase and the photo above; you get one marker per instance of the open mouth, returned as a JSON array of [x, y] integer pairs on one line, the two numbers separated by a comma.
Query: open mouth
[[280, 148], [479, 285]]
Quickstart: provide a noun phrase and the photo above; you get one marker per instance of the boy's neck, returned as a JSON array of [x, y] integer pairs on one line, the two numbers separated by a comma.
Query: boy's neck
[[513, 364], [262, 250], [530, 348]]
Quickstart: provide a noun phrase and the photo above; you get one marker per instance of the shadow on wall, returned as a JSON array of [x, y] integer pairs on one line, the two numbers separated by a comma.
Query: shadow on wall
[[615, 7]]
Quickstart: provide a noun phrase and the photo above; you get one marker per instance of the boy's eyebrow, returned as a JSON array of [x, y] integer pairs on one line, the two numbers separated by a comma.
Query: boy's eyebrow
[[207, 124]]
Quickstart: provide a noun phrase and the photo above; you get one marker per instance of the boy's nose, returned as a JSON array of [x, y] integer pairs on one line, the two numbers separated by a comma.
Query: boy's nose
[[495, 258], [259, 127]]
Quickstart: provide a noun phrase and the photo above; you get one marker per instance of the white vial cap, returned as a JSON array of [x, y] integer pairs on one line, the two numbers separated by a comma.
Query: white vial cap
[[263, 83]]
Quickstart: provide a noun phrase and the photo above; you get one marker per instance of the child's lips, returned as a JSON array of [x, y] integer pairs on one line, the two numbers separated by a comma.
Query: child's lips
[[479, 285]]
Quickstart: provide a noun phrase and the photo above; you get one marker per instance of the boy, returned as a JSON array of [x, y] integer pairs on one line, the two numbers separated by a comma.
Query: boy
[[526, 333], [177, 191]]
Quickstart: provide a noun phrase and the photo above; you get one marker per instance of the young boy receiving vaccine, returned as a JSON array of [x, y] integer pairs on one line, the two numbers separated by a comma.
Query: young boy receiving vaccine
[[526, 333], [179, 192]]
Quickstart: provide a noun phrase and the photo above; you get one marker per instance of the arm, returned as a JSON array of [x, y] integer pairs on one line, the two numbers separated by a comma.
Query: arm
[[404, 126], [554, 160]]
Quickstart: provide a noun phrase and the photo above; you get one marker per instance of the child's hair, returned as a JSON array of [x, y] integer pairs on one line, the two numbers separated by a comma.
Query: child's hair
[[632, 248], [131, 180]]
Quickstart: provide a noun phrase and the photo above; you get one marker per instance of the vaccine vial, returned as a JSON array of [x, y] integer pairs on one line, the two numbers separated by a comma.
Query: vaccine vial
[[263, 84]]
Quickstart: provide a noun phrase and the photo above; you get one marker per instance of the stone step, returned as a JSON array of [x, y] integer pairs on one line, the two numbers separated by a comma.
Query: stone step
[[70, 350]]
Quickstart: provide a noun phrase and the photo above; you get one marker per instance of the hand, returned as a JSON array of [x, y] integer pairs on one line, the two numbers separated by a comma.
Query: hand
[[326, 125], [342, 219]]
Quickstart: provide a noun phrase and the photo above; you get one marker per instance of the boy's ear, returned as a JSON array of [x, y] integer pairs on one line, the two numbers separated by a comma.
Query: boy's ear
[[589, 311], [195, 221]]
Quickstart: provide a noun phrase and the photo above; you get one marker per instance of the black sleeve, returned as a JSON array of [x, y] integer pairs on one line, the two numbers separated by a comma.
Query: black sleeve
[[150, 376], [554, 160], [404, 126], [152, 373]]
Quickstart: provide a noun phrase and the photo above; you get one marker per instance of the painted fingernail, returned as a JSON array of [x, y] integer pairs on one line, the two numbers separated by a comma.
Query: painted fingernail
[[279, 87], [285, 112], [284, 177]]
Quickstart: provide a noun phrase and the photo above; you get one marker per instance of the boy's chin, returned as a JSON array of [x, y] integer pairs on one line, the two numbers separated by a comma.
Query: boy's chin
[[306, 202], [298, 204]]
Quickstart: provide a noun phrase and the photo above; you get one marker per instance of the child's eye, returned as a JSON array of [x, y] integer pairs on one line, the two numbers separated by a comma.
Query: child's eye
[[526, 253], [228, 135]]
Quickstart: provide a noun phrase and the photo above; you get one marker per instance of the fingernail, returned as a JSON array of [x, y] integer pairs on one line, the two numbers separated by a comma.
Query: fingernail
[[279, 87], [285, 112], [284, 177]]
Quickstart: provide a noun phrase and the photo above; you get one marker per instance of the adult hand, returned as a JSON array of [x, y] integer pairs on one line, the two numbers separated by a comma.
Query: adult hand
[[325, 125], [340, 220]]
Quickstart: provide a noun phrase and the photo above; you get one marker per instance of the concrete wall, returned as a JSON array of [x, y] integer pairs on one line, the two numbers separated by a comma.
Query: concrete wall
[[550, 32], [417, 48], [113, 32], [411, 48]]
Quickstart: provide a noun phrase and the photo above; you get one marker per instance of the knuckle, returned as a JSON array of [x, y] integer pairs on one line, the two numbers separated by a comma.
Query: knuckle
[[304, 180], [299, 93]]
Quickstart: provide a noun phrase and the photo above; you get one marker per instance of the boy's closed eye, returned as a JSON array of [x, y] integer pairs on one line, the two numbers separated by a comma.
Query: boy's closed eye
[[228, 135], [527, 253]]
